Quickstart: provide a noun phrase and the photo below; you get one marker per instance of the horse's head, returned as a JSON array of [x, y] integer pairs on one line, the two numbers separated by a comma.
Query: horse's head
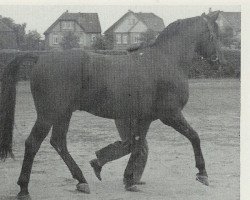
[[209, 46]]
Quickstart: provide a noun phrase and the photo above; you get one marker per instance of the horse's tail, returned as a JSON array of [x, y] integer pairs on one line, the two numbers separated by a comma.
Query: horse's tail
[[8, 101]]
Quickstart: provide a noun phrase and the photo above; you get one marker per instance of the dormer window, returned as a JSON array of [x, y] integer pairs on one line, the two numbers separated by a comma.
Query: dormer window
[[67, 25]]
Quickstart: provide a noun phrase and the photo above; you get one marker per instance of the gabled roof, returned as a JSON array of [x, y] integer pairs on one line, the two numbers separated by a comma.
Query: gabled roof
[[151, 20], [4, 27], [89, 22], [234, 19]]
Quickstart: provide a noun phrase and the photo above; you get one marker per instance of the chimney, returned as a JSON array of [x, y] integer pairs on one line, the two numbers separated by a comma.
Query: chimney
[[66, 11], [210, 10]]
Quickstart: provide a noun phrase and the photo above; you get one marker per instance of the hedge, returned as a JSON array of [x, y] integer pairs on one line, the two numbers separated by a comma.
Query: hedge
[[202, 69], [198, 69]]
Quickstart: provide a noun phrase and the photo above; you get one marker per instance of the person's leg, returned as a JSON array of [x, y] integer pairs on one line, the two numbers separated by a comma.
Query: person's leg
[[109, 153], [126, 129]]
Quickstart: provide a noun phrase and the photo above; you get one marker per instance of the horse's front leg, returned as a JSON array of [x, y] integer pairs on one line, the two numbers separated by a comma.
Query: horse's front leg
[[179, 123], [58, 141]]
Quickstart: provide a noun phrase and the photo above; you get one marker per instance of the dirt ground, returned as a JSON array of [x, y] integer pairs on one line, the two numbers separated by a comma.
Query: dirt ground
[[214, 112]]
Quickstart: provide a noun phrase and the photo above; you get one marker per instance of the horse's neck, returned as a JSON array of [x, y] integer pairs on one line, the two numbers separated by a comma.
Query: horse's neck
[[180, 47]]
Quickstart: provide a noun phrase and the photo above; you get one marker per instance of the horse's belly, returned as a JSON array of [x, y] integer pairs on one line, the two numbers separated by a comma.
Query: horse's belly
[[120, 107]]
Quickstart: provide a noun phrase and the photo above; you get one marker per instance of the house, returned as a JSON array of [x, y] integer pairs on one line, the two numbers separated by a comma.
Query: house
[[7, 37], [86, 26], [127, 30], [230, 21]]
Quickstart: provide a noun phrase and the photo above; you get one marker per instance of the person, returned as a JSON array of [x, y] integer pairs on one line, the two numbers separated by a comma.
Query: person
[[133, 140]]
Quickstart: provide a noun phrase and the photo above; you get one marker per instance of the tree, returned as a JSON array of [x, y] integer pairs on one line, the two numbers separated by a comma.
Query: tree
[[32, 40], [19, 30], [100, 43], [109, 40], [70, 41], [148, 37]]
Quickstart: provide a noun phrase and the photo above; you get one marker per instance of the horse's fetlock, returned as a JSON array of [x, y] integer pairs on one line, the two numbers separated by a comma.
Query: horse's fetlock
[[195, 139]]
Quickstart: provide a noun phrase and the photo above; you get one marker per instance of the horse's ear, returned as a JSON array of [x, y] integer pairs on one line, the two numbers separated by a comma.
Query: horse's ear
[[214, 15]]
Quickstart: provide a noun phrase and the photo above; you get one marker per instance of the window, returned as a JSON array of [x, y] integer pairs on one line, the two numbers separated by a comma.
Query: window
[[118, 39], [55, 39], [67, 25], [93, 37], [81, 40], [124, 39], [137, 38]]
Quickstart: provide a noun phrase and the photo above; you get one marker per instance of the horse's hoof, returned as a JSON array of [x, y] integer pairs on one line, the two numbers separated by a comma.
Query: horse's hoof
[[97, 168], [23, 197], [132, 188], [203, 179], [83, 187]]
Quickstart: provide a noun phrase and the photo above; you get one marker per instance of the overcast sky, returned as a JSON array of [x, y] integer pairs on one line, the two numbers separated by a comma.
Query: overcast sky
[[41, 17]]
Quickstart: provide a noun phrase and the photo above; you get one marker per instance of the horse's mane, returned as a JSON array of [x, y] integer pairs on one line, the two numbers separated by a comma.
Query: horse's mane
[[171, 30], [175, 28]]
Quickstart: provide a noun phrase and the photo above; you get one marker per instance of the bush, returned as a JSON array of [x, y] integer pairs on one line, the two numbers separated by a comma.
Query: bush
[[99, 43], [70, 41], [148, 37], [109, 40], [111, 52], [202, 69]]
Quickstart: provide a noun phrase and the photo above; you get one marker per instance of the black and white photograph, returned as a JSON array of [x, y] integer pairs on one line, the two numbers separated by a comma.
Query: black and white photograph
[[120, 101]]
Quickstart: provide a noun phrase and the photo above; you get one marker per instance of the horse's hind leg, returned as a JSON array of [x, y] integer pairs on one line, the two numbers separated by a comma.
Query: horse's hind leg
[[32, 145], [58, 141], [179, 123]]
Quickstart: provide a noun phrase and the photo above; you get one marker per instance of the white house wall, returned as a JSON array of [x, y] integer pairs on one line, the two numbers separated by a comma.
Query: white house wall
[[57, 27], [139, 27], [85, 39], [223, 23], [50, 37], [126, 25]]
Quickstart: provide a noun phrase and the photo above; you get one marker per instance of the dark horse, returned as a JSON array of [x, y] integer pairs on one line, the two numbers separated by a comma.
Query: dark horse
[[149, 83]]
